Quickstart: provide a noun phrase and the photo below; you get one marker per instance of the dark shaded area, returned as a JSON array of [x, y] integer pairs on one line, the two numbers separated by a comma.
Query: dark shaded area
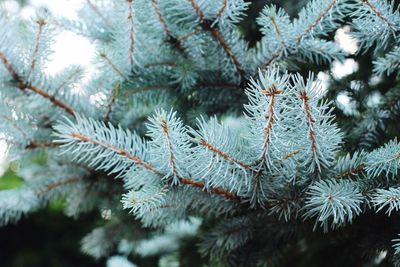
[[46, 238]]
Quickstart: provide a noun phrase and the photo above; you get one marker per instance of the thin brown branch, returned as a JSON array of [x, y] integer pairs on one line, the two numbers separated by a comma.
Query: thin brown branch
[[22, 85], [112, 101], [291, 154], [310, 122], [216, 190], [57, 184], [351, 172], [67, 80], [223, 154], [172, 160], [34, 145], [113, 66], [271, 92], [131, 32], [316, 21], [41, 23], [278, 32], [117, 150], [150, 167], [97, 11], [222, 8], [273, 57], [378, 13], [161, 18], [218, 36]]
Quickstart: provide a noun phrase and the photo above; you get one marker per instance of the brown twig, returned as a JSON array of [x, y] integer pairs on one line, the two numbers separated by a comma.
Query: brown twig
[[218, 36], [271, 92], [223, 154], [186, 181], [131, 32], [41, 24], [54, 185], [22, 85], [310, 122], [113, 66], [172, 159], [378, 14], [351, 172], [316, 21]]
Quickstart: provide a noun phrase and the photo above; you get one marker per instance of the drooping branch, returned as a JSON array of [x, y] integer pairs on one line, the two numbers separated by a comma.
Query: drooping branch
[[22, 85], [223, 154]]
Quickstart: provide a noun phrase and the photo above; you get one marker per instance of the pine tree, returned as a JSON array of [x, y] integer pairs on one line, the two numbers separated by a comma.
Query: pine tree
[[190, 140]]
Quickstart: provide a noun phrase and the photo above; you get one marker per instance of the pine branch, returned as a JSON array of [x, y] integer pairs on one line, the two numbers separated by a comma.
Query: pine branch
[[22, 85], [271, 92], [218, 36], [113, 66], [222, 8], [41, 23], [316, 22], [175, 41], [310, 122], [227, 157], [351, 172], [125, 154], [278, 32], [172, 159], [114, 95], [97, 11], [131, 32], [34, 145], [378, 14], [117, 150], [55, 185]]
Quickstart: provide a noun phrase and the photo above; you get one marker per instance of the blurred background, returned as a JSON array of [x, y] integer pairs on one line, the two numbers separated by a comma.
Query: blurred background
[[48, 237]]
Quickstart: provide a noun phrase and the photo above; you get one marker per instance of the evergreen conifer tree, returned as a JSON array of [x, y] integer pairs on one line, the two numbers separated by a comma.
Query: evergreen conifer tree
[[200, 145]]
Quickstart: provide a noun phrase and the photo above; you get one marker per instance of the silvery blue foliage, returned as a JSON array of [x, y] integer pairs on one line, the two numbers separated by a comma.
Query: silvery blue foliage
[[212, 139]]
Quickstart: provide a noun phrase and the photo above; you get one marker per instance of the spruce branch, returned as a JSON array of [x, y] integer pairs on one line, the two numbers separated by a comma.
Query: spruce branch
[[23, 85], [224, 155], [379, 14], [97, 11], [316, 22], [220, 39], [41, 23], [131, 32], [112, 65]]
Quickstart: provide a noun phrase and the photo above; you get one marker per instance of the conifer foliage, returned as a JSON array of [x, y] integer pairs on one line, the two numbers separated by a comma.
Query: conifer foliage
[[187, 133]]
